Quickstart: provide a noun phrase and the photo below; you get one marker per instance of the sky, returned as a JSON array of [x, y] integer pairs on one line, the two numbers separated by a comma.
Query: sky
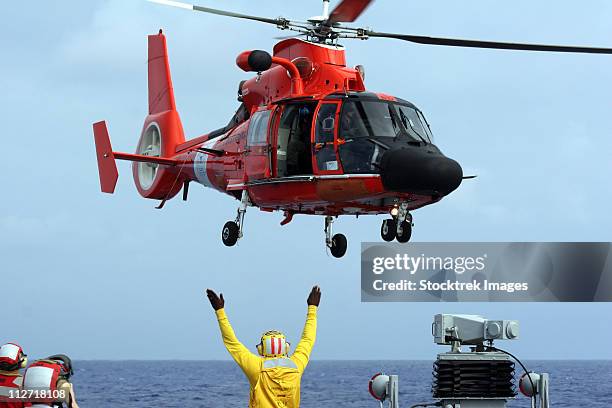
[[109, 277]]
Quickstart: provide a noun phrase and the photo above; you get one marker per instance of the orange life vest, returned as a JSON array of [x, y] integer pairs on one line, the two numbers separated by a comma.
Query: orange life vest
[[9, 382]]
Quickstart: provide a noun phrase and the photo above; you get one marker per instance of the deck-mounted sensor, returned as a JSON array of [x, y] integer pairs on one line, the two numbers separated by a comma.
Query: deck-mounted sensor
[[481, 377]]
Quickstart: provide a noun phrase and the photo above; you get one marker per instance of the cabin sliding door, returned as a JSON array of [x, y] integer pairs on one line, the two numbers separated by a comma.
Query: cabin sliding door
[[325, 139]]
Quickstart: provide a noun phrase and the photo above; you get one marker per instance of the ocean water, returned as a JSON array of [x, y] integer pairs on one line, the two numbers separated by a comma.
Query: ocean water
[[132, 384]]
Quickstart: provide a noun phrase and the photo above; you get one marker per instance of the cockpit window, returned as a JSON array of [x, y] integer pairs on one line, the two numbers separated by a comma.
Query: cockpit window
[[426, 127], [365, 124], [324, 138], [368, 119], [411, 121], [382, 119]]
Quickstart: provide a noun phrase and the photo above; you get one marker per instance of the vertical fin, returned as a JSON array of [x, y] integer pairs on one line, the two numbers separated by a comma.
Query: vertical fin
[[161, 94]]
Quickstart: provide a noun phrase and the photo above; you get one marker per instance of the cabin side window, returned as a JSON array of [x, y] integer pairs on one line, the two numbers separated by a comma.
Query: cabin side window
[[258, 129]]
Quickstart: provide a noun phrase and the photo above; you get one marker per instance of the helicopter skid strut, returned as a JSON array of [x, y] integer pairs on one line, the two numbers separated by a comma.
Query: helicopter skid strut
[[336, 243], [232, 230]]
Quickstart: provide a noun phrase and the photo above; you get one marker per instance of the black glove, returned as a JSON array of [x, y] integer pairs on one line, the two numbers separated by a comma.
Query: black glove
[[217, 302], [314, 297]]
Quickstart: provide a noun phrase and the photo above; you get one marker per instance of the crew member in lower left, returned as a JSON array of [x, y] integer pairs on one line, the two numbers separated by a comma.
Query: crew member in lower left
[[51, 374], [12, 361]]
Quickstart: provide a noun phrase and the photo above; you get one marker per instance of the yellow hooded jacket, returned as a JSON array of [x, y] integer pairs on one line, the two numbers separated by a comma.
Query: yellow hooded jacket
[[274, 381]]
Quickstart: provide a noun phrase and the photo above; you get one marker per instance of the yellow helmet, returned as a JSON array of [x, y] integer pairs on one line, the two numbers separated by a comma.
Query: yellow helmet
[[273, 344]]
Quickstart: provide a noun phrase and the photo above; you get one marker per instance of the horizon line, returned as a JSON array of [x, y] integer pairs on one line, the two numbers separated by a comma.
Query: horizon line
[[327, 360]]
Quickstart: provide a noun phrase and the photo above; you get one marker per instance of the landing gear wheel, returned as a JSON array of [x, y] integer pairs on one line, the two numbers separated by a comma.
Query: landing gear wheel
[[405, 232], [338, 245], [388, 230], [230, 233]]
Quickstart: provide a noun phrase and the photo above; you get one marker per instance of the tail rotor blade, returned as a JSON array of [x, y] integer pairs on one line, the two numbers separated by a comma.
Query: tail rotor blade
[[348, 11]]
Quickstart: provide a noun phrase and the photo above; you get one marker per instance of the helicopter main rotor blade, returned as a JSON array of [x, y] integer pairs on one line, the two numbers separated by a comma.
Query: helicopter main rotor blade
[[286, 37], [453, 42], [348, 11], [281, 22]]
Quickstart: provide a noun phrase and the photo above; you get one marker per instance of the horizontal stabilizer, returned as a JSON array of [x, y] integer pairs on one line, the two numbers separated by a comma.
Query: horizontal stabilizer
[[107, 168]]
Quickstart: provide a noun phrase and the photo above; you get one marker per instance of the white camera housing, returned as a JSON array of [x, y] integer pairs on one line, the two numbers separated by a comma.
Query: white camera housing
[[472, 329]]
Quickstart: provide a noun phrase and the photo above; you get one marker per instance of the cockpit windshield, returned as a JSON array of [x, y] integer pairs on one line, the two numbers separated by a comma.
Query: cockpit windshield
[[368, 119], [364, 126], [412, 122], [382, 119]]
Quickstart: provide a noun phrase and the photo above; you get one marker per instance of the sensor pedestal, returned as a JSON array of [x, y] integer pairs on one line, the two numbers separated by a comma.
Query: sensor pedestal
[[475, 379]]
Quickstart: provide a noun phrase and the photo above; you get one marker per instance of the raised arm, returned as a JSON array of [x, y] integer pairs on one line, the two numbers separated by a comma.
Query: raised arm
[[248, 362], [301, 356]]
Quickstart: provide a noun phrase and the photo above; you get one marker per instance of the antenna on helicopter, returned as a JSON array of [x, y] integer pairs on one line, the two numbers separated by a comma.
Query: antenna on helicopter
[[328, 28]]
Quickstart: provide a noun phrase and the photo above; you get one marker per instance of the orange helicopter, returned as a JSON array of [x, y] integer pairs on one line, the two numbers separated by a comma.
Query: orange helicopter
[[308, 138]]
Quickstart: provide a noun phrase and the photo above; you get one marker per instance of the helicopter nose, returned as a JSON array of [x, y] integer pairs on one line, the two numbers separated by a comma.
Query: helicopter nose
[[419, 171]]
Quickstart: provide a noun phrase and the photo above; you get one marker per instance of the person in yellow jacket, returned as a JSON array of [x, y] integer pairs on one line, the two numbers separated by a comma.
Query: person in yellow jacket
[[273, 375]]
